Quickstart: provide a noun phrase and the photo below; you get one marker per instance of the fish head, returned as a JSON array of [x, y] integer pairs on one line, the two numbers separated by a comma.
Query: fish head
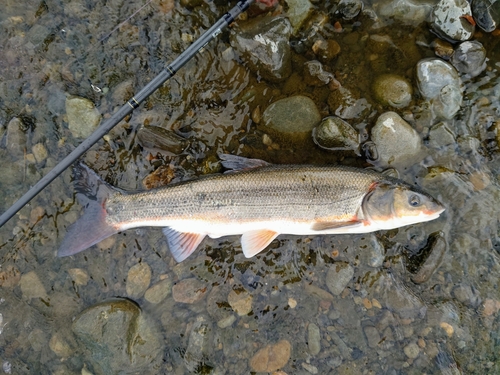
[[390, 205]]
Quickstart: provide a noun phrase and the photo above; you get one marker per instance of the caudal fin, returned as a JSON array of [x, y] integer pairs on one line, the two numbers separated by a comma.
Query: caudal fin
[[91, 227]]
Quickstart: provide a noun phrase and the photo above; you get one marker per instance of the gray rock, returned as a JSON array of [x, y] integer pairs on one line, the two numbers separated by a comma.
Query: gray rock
[[315, 75], [407, 12], [338, 276], [411, 350], [138, 280], [189, 291], [83, 117], [31, 286], [263, 44], [448, 22], [467, 295], [199, 343], [372, 336], [156, 138], [344, 104], [298, 12], [396, 141], [118, 338], [392, 90], [469, 58], [40, 152], [372, 251], [439, 83], [16, 138], [333, 133], [159, 291], [486, 14], [349, 9], [293, 116], [438, 247], [440, 135], [313, 339]]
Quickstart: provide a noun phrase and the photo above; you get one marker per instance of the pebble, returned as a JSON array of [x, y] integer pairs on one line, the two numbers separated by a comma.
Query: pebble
[[40, 152], [9, 276], [161, 176], [31, 286], [226, 322], [315, 75], [313, 339], [412, 350], [447, 20], [344, 104], [440, 135], [448, 328], [271, 357], [59, 346], [392, 90], [490, 307], [292, 302], [83, 117], [469, 58], [15, 140], [439, 83], [117, 335], [263, 45], [372, 336], [396, 141], [79, 276], [199, 343], [240, 302], [438, 248], [159, 291], [486, 14], [157, 138], [326, 50], [189, 291], [335, 134], [310, 368], [338, 276], [298, 12], [138, 280], [295, 116], [349, 9]]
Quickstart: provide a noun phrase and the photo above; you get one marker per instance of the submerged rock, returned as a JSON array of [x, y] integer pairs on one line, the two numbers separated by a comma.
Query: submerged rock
[[396, 141], [469, 58], [295, 116], [83, 117], [335, 134], [16, 138], [392, 90], [272, 357], [486, 14], [449, 20], [439, 83], [118, 338], [338, 276], [298, 12], [199, 343], [344, 104], [263, 44]]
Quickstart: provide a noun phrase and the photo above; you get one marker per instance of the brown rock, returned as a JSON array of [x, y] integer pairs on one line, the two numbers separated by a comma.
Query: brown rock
[[189, 291], [272, 357]]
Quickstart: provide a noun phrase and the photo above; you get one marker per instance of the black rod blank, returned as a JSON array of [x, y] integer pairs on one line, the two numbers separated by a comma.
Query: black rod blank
[[126, 109]]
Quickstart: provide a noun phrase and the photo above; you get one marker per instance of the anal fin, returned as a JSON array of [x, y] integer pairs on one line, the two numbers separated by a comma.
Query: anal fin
[[322, 226], [255, 241], [182, 244]]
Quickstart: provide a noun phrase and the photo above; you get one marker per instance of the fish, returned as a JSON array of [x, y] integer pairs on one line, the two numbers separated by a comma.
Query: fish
[[254, 199]]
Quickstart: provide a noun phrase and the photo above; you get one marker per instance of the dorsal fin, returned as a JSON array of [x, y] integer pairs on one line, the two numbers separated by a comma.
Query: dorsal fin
[[255, 241], [239, 163]]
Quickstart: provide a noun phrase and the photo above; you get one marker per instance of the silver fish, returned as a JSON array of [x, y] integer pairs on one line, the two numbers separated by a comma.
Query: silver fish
[[258, 201]]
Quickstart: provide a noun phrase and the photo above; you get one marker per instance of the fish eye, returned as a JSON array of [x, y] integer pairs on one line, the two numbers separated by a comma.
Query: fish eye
[[414, 200]]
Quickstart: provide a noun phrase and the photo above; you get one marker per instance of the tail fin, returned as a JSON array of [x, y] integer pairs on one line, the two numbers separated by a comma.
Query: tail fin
[[91, 227]]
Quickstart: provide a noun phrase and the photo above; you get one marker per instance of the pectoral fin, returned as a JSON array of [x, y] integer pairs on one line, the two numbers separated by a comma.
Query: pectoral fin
[[322, 226], [255, 241], [182, 244]]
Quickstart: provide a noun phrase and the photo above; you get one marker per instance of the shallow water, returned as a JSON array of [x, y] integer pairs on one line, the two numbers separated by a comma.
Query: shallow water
[[382, 322]]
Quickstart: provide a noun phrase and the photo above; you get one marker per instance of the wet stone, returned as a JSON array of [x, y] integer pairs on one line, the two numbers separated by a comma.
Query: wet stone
[[411, 350], [79, 276], [440, 135], [438, 247], [392, 90], [344, 104], [240, 302], [293, 116], [314, 75], [158, 292], [138, 280], [83, 117], [313, 339], [263, 44], [199, 343], [59, 346], [439, 83], [298, 12], [189, 291], [272, 357], [486, 14], [335, 134], [466, 294], [396, 141], [40, 152], [31, 286], [161, 176], [118, 336], [372, 336], [326, 50], [156, 138], [349, 9], [9, 276], [16, 138], [338, 276], [469, 58], [448, 20]]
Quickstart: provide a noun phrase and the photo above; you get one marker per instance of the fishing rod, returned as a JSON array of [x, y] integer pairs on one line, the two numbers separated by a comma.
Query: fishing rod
[[127, 108]]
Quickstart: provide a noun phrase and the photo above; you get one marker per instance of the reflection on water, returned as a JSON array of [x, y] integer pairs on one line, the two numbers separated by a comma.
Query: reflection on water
[[391, 302]]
